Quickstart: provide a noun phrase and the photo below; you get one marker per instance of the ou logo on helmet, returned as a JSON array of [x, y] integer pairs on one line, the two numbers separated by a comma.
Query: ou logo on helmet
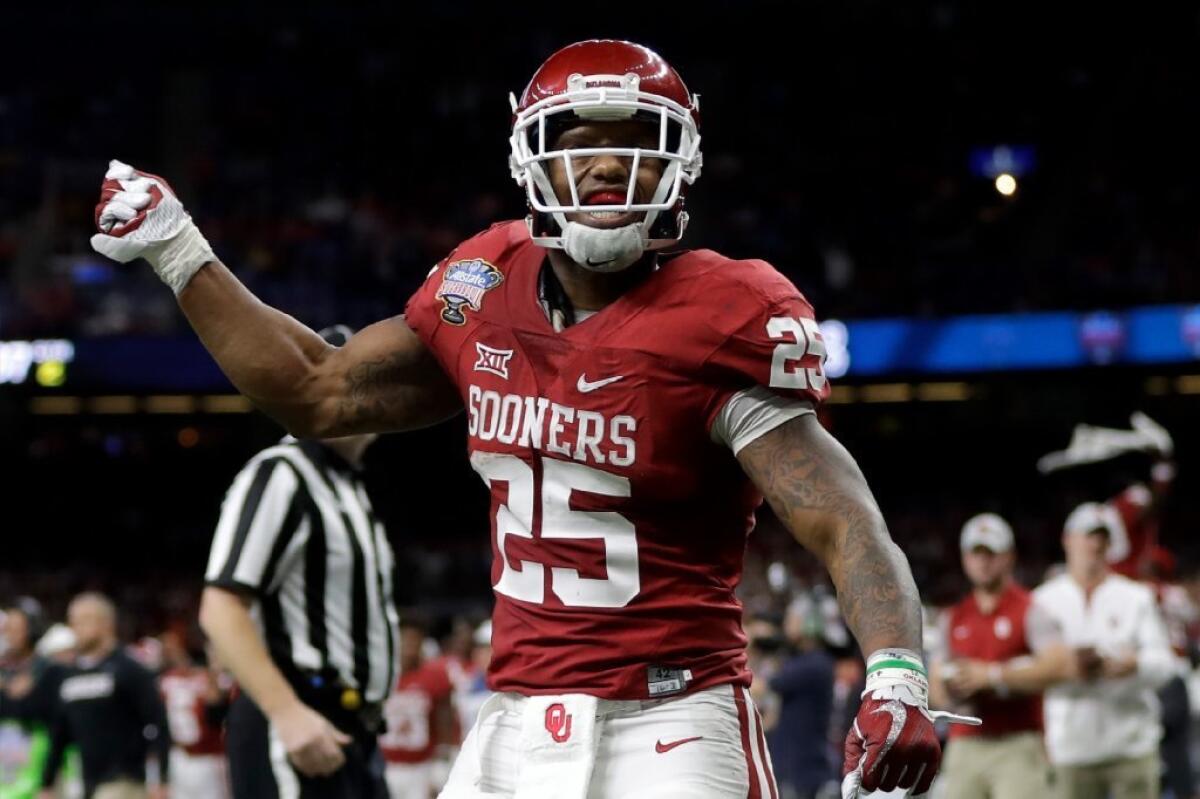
[[558, 722]]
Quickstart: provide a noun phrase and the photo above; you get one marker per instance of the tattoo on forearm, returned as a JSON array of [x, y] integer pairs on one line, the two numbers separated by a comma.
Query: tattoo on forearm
[[817, 491], [369, 386]]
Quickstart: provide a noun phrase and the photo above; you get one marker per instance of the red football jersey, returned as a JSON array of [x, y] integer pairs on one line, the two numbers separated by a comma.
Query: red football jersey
[[618, 525], [995, 637], [409, 713], [184, 692], [1141, 530]]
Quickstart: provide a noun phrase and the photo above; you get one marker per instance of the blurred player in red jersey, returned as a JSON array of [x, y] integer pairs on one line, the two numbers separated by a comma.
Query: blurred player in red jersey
[[422, 728], [457, 658], [629, 405], [1130, 472], [196, 697], [990, 665]]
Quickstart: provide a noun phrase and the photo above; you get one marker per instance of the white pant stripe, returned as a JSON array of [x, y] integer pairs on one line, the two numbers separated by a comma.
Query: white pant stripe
[[285, 778]]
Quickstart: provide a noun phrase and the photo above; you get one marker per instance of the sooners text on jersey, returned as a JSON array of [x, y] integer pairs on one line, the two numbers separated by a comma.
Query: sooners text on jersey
[[618, 525]]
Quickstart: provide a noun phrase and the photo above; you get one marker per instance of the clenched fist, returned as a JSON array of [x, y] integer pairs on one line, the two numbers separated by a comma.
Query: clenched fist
[[313, 744], [139, 216], [893, 743]]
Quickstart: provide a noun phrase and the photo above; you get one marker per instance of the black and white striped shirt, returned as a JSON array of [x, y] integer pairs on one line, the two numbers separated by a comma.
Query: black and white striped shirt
[[297, 532]]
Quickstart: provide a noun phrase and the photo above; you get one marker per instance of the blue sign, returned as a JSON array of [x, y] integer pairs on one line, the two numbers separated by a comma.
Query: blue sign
[[857, 349]]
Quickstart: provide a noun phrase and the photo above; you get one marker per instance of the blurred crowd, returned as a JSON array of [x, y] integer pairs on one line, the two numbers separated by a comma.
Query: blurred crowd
[[332, 156]]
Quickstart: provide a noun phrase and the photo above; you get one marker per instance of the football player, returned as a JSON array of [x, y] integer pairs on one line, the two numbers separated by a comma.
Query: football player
[[197, 699], [629, 405]]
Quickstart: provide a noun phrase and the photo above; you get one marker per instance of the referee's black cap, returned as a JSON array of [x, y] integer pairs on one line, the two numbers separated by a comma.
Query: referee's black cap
[[337, 335]]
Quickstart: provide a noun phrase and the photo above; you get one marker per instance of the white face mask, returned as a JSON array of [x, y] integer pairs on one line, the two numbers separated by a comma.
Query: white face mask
[[600, 97], [603, 249]]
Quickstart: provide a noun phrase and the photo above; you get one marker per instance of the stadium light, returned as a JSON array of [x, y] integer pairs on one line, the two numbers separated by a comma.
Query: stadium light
[[1006, 184]]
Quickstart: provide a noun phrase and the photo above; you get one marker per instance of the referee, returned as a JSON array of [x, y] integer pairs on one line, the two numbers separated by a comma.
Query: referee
[[299, 606]]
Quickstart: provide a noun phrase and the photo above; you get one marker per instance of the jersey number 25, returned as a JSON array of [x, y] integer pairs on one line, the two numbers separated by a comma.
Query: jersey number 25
[[805, 341], [558, 520]]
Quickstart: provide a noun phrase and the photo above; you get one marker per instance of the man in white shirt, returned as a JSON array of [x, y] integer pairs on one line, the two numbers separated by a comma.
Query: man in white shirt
[[1102, 730]]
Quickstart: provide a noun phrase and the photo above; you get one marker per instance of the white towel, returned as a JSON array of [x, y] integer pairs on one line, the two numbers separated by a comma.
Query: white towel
[[558, 746]]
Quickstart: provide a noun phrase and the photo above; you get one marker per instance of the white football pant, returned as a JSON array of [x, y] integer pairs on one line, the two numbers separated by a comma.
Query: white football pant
[[706, 745]]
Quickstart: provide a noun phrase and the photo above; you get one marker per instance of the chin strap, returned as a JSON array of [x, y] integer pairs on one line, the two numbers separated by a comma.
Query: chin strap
[[603, 250]]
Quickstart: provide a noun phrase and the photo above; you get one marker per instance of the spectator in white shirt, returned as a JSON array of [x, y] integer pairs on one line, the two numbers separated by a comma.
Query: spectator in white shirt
[[1103, 728]]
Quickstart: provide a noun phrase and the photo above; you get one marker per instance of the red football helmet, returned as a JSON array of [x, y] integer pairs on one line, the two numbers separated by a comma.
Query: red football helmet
[[606, 80]]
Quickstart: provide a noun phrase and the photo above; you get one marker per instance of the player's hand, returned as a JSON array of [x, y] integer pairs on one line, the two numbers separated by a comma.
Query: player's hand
[[159, 791], [313, 744], [139, 216], [892, 743]]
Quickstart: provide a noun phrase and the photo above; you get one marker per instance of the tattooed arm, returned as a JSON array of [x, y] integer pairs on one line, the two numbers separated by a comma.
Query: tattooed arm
[[383, 380], [818, 492]]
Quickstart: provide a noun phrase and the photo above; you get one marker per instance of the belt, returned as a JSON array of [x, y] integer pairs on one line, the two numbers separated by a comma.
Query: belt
[[329, 694]]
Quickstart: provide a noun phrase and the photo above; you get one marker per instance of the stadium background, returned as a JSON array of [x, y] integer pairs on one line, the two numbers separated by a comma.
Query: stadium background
[[333, 155]]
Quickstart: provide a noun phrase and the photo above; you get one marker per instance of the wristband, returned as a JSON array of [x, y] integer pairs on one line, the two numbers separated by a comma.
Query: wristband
[[892, 667], [178, 259]]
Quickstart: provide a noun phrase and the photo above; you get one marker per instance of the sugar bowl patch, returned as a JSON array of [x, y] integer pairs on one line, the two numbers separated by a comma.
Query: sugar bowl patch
[[464, 284]]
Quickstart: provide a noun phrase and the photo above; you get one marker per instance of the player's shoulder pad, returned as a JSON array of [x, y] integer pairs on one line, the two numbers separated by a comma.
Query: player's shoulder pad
[[736, 291], [493, 245]]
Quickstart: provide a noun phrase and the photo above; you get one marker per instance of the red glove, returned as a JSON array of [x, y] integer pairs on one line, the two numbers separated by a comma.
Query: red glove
[[892, 743]]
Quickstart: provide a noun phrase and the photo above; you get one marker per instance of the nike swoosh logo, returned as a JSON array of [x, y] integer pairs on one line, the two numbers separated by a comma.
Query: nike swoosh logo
[[590, 262], [899, 714], [586, 387], [661, 747]]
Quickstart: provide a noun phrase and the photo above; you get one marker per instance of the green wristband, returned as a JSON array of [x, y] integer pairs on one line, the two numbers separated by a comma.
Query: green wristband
[[896, 664]]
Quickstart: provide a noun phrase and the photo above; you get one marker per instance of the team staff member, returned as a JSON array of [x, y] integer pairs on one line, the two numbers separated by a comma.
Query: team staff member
[[984, 634], [298, 606], [1103, 728], [110, 706]]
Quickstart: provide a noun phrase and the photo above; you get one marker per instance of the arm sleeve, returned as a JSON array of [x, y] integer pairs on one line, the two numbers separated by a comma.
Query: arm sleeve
[[143, 687], [261, 512], [752, 413], [1156, 661], [776, 347]]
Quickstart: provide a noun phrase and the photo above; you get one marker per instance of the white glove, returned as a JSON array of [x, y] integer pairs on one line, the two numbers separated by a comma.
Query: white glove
[[1157, 438], [139, 216]]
